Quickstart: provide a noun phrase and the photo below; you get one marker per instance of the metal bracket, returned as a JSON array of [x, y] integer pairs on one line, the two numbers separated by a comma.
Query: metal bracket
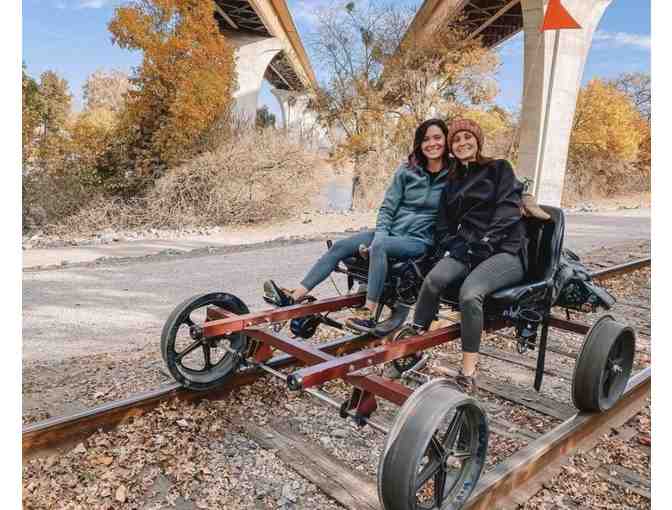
[[263, 353], [362, 403]]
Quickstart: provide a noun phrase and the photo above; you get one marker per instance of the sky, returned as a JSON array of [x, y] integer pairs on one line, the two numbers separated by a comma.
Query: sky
[[71, 38]]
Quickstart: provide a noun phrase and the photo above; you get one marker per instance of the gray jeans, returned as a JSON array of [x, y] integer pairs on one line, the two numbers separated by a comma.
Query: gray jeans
[[380, 248], [499, 271]]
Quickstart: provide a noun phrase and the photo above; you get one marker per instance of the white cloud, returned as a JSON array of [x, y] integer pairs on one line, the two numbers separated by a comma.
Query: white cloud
[[621, 39]]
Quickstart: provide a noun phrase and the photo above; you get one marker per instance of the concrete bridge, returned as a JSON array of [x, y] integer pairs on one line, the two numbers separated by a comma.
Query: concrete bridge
[[268, 47], [549, 98]]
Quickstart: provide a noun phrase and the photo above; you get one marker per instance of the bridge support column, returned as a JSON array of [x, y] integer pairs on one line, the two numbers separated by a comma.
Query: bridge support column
[[253, 55], [544, 158], [292, 106]]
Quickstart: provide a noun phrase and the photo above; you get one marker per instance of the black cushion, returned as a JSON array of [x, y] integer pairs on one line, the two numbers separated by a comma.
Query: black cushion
[[360, 266]]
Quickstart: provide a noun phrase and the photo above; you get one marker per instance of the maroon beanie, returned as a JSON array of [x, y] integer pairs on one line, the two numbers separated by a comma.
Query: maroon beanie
[[465, 125]]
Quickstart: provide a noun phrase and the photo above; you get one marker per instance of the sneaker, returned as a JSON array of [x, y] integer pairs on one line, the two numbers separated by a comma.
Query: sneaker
[[415, 361], [466, 384], [394, 322], [275, 295], [362, 325]]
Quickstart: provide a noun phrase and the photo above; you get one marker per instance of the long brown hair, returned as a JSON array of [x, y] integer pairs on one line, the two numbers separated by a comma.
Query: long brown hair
[[417, 157]]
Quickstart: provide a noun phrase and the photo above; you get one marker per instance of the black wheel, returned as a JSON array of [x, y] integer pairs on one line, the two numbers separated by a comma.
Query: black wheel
[[435, 452], [603, 366], [197, 362]]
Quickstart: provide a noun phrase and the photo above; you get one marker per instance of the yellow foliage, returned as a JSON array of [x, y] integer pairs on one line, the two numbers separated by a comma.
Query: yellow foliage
[[491, 121], [90, 134], [606, 122], [184, 84]]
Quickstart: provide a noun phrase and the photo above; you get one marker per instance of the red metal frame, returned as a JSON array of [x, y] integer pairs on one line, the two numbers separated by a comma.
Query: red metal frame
[[321, 366]]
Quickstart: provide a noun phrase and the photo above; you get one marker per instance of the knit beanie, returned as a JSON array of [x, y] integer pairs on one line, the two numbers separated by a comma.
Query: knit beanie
[[465, 125]]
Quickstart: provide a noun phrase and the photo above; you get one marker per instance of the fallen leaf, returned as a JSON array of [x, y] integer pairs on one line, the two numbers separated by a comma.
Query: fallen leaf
[[105, 461], [120, 495]]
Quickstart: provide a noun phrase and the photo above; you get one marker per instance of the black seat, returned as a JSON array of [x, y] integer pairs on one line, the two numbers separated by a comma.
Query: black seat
[[544, 250], [359, 267]]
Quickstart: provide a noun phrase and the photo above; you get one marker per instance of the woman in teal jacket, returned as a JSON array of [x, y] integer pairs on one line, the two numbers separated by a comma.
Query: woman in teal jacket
[[404, 228]]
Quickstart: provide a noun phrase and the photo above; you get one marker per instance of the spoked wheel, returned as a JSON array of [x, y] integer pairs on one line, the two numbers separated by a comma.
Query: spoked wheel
[[198, 362], [435, 452], [603, 366], [412, 360]]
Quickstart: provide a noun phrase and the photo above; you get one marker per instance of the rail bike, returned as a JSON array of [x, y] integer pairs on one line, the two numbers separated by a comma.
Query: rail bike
[[436, 449]]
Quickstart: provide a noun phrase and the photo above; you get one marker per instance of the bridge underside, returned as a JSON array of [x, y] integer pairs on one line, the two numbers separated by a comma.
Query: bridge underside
[[240, 16], [494, 21]]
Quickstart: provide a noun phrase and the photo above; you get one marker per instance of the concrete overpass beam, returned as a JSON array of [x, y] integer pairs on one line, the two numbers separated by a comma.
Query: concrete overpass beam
[[253, 55], [544, 159]]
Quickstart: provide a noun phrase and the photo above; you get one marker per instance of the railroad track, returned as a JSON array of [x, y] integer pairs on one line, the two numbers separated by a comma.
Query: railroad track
[[512, 476]]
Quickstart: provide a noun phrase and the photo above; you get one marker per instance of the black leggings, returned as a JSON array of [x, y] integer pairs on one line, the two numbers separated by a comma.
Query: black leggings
[[499, 271]]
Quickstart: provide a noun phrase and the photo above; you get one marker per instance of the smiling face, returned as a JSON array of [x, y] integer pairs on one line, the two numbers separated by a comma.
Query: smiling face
[[434, 143], [465, 146]]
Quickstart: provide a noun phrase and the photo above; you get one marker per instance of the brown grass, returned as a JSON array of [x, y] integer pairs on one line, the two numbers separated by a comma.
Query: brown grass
[[255, 177]]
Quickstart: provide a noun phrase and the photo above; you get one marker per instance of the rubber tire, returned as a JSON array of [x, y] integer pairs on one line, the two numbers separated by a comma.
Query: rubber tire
[[587, 380], [407, 442], [227, 365]]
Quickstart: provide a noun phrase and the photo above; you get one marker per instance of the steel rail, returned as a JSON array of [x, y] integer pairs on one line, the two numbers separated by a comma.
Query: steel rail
[[43, 435], [621, 269], [523, 466], [66, 429]]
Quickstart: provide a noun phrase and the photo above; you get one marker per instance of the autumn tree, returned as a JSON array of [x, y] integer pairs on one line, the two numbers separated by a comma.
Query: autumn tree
[[30, 112], [182, 87], [54, 100], [264, 118], [606, 122], [105, 90], [637, 86], [605, 141], [382, 84]]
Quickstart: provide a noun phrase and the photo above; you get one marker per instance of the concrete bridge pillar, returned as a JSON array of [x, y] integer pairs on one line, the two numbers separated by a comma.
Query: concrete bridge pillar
[[292, 106], [253, 55], [544, 158]]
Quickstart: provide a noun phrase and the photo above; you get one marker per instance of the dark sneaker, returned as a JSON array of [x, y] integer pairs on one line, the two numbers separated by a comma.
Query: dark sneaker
[[415, 361], [466, 384], [363, 325], [394, 322], [401, 367], [275, 295]]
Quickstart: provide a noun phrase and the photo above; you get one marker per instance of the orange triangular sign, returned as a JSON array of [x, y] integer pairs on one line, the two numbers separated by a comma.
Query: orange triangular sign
[[557, 17]]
